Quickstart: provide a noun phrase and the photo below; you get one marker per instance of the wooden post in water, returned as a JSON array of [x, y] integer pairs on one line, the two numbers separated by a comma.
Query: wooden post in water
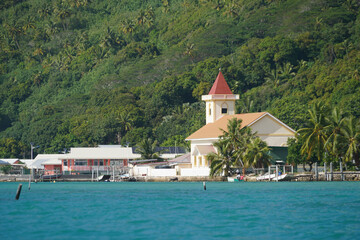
[[316, 172], [331, 171], [18, 192], [30, 178], [341, 171], [269, 172], [204, 185], [325, 172]]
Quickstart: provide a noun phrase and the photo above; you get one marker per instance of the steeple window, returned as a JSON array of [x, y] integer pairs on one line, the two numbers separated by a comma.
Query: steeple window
[[224, 108]]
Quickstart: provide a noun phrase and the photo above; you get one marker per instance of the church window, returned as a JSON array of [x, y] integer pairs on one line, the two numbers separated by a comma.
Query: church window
[[224, 108]]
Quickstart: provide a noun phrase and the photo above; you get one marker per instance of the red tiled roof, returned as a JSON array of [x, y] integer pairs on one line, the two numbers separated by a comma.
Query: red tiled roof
[[220, 86]]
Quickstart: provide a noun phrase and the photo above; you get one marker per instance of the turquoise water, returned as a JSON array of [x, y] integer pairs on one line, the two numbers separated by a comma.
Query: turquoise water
[[313, 210]]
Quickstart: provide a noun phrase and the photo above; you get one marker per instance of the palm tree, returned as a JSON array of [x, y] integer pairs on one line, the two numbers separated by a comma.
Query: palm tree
[[257, 153], [273, 78], [147, 149], [125, 121], [127, 26], [238, 138], [38, 52], [315, 134], [222, 160], [231, 9], [351, 133], [286, 71], [335, 140]]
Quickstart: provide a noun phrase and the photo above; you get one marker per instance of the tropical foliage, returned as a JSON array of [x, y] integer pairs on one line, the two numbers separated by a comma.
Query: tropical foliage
[[330, 136], [83, 73], [237, 147]]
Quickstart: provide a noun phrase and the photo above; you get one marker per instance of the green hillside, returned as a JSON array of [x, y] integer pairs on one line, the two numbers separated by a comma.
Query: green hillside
[[89, 72]]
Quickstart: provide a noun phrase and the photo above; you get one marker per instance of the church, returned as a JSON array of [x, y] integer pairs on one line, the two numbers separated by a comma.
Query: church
[[220, 108]]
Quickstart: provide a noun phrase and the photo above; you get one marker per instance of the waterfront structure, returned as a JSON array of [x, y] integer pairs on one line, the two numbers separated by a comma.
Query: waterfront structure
[[106, 157], [47, 164], [220, 108]]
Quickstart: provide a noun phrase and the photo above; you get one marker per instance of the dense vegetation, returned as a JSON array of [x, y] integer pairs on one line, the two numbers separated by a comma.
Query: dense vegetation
[[238, 148], [88, 72]]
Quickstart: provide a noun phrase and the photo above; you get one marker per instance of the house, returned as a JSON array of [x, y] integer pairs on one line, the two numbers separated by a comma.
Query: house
[[47, 164], [106, 158], [220, 108]]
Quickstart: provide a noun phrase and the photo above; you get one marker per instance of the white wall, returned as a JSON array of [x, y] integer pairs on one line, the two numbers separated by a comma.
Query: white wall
[[152, 172], [191, 172]]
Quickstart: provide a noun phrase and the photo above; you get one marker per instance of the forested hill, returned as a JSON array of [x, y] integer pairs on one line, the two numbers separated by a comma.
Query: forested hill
[[89, 72]]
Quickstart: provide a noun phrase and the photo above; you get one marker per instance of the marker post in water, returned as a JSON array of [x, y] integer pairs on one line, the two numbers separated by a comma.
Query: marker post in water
[[18, 192], [204, 184]]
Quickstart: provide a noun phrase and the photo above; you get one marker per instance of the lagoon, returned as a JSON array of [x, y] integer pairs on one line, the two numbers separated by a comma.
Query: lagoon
[[284, 210]]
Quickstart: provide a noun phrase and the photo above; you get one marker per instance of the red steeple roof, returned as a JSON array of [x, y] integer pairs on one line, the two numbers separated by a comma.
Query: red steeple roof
[[220, 86]]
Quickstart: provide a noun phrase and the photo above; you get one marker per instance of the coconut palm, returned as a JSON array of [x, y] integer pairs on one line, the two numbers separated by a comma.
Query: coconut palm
[[147, 149], [127, 26], [222, 160], [351, 133], [315, 134], [238, 138], [335, 140], [273, 78], [257, 153], [125, 124]]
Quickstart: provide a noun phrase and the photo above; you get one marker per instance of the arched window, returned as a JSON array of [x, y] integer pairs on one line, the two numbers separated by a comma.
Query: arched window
[[224, 108]]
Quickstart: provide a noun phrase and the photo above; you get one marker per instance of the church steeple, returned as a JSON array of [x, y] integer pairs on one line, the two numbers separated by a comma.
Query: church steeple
[[220, 100], [220, 86]]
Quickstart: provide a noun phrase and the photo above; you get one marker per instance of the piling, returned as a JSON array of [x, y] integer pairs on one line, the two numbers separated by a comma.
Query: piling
[[269, 172], [342, 172], [18, 192], [331, 171], [30, 181], [277, 173], [204, 185], [325, 172]]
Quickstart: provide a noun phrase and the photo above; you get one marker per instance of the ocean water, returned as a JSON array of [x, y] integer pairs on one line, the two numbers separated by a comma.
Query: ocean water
[[296, 210]]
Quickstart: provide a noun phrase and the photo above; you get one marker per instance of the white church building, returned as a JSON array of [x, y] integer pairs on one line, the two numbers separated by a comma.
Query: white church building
[[220, 108]]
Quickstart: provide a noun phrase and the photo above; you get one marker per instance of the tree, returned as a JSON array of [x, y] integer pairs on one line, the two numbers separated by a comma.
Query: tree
[[351, 133], [124, 120], [335, 142], [257, 153], [147, 149], [315, 134], [235, 139], [239, 138], [127, 26], [222, 160]]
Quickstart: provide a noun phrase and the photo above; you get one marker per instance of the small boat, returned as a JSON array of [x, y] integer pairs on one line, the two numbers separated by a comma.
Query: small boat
[[236, 179], [283, 177], [265, 177], [104, 178]]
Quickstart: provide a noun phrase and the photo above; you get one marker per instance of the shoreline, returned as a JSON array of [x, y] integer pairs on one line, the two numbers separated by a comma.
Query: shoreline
[[301, 177]]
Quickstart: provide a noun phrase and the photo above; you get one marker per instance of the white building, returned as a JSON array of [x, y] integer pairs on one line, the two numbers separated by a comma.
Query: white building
[[220, 108]]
